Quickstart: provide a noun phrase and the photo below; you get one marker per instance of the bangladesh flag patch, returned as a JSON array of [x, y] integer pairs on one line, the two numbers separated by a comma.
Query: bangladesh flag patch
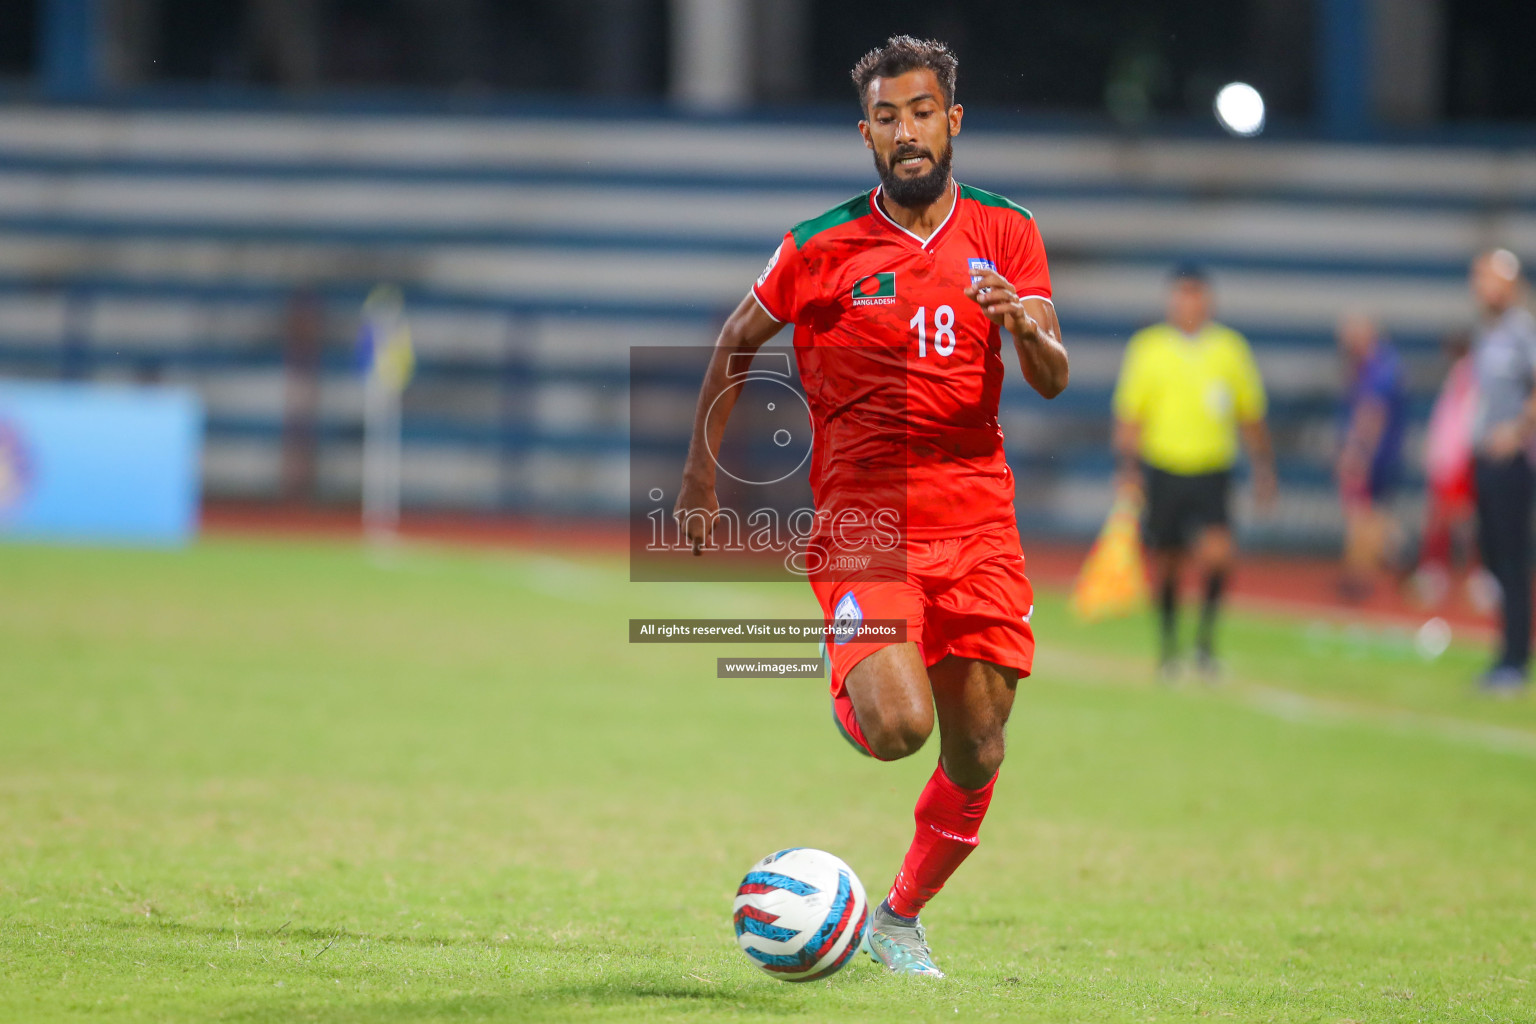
[[875, 290]]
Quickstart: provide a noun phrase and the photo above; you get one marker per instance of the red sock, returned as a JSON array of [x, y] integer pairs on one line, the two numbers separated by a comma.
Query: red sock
[[1435, 548], [948, 819]]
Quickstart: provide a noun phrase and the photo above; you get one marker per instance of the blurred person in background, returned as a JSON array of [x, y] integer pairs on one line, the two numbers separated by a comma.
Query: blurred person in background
[[1370, 453], [1187, 388], [1449, 506], [1503, 425]]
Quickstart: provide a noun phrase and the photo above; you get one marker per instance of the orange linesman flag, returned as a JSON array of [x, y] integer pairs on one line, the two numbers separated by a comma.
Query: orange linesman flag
[[1113, 580]]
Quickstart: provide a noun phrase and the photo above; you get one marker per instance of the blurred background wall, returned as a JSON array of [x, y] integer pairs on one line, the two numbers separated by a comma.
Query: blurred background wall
[[202, 192]]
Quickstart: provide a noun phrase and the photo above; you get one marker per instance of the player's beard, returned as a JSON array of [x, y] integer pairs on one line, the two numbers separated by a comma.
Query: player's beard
[[923, 190]]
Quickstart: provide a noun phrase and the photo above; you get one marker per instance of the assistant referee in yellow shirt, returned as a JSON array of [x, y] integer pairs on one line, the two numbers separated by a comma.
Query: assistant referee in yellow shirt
[[1187, 388]]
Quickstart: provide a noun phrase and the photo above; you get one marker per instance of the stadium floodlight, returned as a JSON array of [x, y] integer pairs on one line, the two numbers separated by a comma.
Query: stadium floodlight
[[1240, 109]]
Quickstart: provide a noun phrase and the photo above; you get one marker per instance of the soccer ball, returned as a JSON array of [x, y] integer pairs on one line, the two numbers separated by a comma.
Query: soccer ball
[[800, 914]]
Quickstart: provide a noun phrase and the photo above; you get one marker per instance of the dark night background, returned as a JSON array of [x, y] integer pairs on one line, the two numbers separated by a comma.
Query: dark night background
[[1131, 60]]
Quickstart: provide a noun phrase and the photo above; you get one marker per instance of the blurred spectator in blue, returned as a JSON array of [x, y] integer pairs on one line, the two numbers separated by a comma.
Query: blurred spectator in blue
[[1503, 426], [1370, 453]]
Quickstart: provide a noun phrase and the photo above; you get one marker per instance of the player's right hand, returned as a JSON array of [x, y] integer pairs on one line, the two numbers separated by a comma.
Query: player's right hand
[[1128, 482], [695, 497], [1266, 488]]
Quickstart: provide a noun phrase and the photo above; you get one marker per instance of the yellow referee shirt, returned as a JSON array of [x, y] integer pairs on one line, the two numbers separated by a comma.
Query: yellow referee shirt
[[1189, 394]]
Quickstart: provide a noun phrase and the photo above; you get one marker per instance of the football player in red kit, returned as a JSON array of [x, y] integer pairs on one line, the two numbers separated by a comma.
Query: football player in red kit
[[910, 282]]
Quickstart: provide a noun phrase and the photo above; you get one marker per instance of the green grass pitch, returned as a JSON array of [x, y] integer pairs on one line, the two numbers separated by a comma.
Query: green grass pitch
[[279, 781]]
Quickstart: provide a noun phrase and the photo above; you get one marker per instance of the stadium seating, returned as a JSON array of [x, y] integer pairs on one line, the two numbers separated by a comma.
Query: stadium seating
[[191, 247]]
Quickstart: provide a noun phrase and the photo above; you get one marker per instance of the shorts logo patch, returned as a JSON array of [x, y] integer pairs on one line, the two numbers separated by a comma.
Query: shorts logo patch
[[847, 618], [977, 265], [1029, 614], [875, 290]]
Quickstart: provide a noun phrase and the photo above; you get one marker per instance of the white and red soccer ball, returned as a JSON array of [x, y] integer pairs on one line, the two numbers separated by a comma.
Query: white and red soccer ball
[[800, 914]]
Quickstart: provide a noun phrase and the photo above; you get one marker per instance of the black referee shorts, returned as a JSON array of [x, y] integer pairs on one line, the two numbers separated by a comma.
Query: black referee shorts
[[1179, 506]]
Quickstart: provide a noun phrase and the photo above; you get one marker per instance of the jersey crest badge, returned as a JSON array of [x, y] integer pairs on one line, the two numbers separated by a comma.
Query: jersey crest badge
[[875, 290], [977, 265], [847, 618]]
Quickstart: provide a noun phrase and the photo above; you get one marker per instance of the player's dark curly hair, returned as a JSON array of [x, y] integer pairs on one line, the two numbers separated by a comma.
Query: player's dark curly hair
[[901, 54]]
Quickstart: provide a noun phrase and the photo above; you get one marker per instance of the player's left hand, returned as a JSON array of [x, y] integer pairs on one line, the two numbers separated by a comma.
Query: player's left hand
[[992, 292], [1505, 440]]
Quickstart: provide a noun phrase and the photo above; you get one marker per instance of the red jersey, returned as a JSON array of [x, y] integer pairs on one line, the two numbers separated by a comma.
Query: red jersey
[[894, 355]]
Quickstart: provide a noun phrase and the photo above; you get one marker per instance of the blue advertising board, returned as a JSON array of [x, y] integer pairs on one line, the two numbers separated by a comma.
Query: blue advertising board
[[98, 463]]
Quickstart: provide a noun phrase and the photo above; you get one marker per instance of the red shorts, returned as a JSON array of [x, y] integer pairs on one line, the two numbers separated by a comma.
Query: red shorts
[[1454, 490], [966, 596]]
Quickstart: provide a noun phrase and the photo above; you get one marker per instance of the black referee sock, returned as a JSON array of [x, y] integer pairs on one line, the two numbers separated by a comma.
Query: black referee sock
[[1168, 612], [1215, 584]]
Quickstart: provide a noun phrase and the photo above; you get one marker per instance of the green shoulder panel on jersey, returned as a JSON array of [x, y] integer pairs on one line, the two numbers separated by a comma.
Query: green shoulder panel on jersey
[[986, 198], [842, 213]]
